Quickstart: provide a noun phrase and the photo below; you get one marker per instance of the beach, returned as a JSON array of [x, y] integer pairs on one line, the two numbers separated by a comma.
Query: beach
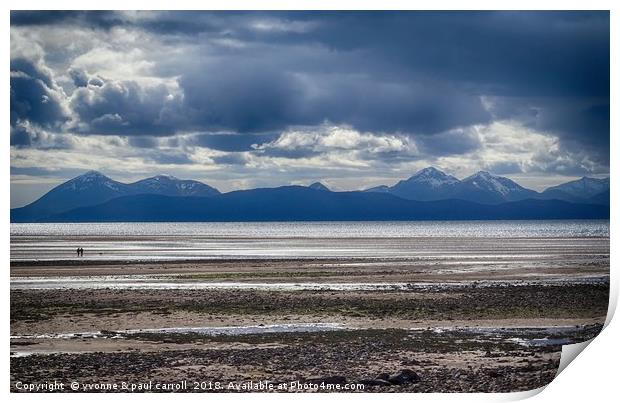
[[376, 314], [450, 314]]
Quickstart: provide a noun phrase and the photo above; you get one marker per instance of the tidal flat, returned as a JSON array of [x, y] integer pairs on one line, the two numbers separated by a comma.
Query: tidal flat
[[490, 315], [456, 335]]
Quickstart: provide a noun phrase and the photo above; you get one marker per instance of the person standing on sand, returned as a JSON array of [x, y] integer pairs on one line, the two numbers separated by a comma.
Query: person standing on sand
[[78, 252], [82, 252]]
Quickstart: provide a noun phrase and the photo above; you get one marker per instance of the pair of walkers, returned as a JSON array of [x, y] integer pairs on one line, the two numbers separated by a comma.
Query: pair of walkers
[[80, 252]]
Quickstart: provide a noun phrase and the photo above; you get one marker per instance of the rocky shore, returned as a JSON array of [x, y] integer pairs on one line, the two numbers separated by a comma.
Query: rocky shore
[[382, 360]]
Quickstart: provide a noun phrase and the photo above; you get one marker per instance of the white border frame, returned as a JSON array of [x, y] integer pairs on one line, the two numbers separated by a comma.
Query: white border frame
[[592, 377]]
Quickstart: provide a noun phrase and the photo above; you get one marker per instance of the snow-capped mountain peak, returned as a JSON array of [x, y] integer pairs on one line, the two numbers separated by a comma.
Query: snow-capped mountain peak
[[318, 186], [427, 184], [90, 176], [433, 177], [482, 187], [159, 181], [91, 179], [487, 181], [168, 184]]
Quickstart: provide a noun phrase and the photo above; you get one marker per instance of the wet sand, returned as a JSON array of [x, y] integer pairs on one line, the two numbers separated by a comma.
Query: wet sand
[[484, 323]]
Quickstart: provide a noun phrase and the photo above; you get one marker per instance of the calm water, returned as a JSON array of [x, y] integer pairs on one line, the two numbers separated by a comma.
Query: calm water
[[147, 241]]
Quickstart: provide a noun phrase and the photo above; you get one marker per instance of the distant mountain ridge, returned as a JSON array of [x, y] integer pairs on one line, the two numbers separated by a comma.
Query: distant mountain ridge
[[300, 203], [94, 188], [579, 190], [480, 196], [168, 185], [487, 188], [431, 184]]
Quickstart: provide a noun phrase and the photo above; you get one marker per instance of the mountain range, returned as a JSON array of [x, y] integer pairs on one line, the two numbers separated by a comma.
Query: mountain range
[[482, 187], [430, 194], [93, 188]]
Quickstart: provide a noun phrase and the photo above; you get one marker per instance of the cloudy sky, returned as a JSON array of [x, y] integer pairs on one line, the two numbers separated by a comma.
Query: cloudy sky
[[354, 99]]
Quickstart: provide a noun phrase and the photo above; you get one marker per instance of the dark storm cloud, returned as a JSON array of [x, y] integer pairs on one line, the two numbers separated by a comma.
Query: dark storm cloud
[[100, 19], [252, 97], [579, 122], [96, 81], [505, 168], [158, 22], [243, 98], [232, 23], [171, 158], [230, 159], [414, 72], [32, 70], [408, 107], [34, 95], [532, 53], [25, 134], [588, 122], [449, 143], [536, 53], [30, 171], [143, 142], [419, 74], [126, 108], [231, 142], [21, 137], [79, 77]]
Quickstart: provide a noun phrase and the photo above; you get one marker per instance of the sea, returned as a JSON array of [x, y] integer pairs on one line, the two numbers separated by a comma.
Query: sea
[[290, 240]]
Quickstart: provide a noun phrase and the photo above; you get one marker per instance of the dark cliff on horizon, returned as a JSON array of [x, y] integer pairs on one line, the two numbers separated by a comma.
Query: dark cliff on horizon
[[428, 195]]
